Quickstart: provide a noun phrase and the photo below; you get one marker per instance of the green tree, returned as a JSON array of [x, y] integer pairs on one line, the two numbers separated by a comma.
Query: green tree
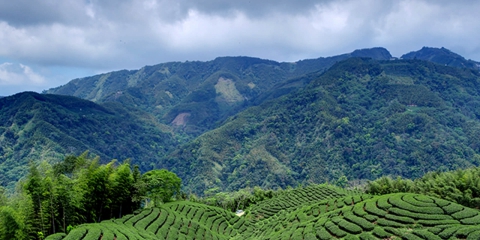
[[161, 185], [34, 188], [122, 187], [10, 224]]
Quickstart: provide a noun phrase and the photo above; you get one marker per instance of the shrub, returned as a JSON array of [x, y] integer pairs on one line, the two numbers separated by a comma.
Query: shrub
[[398, 202], [389, 223], [453, 208], [93, 233], [464, 232], [350, 227], [366, 236], [147, 219], [364, 224], [424, 234], [158, 223], [358, 210], [382, 203], [401, 219], [334, 229], [410, 198], [323, 234], [380, 233], [465, 213], [371, 207], [77, 233], [472, 220], [436, 222], [406, 213]]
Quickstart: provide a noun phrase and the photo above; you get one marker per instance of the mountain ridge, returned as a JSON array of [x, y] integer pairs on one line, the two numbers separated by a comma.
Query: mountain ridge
[[169, 90], [252, 119], [442, 56]]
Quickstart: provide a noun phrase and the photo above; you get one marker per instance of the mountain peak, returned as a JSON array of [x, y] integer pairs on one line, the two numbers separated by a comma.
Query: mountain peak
[[442, 56], [378, 53]]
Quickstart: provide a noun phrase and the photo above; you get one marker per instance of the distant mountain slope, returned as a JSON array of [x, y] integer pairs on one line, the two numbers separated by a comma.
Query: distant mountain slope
[[442, 56], [46, 127], [361, 119], [195, 95]]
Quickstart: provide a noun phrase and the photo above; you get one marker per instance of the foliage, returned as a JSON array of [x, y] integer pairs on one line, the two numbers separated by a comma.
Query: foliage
[[460, 186], [36, 127], [78, 190], [161, 185], [328, 217], [359, 120]]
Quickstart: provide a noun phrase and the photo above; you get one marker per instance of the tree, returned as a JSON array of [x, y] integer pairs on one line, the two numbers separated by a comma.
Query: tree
[[121, 190], [161, 185], [10, 225], [34, 188]]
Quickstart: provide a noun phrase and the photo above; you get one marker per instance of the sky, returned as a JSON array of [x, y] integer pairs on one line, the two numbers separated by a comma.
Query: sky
[[47, 43]]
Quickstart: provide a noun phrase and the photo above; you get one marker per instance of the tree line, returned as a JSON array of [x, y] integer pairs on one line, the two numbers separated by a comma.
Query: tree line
[[461, 186], [56, 197]]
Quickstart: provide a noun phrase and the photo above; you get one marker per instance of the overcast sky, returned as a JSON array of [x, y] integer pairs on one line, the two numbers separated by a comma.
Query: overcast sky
[[46, 43]]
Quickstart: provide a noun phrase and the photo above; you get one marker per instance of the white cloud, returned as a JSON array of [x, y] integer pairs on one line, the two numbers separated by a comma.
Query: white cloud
[[19, 74], [109, 35]]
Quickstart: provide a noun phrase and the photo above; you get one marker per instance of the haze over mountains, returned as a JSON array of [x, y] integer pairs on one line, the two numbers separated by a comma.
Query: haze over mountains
[[238, 121]]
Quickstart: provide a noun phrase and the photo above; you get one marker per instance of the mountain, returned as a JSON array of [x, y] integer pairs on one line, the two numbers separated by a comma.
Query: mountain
[[442, 56], [361, 119], [37, 127], [235, 122], [194, 96]]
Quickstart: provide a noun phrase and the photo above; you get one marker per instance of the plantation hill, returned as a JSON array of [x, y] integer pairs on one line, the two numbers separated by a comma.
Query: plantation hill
[[36, 127], [193, 96], [79, 198], [314, 212], [361, 119]]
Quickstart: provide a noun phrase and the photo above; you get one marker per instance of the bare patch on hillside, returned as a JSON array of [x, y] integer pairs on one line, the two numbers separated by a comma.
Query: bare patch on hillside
[[227, 92], [181, 119]]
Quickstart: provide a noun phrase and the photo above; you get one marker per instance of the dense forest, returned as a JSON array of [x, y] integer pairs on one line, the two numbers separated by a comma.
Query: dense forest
[[361, 119]]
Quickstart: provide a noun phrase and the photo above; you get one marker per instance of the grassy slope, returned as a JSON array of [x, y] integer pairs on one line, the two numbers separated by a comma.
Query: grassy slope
[[315, 212], [362, 119]]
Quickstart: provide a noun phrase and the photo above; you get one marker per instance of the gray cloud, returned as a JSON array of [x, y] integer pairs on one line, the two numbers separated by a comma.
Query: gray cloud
[[104, 35]]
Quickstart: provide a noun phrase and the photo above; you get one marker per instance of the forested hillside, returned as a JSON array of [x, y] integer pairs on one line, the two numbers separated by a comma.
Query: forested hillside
[[260, 122], [35, 127], [194, 95], [359, 120]]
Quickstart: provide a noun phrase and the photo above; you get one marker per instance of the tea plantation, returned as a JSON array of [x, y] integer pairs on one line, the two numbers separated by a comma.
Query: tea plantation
[[314, 212]]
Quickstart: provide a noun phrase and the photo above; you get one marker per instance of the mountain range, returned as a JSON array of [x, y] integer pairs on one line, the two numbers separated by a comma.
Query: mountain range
[[235, 122]]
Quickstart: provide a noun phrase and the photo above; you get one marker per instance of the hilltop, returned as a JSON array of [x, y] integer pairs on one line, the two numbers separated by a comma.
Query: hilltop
[[442, 56]]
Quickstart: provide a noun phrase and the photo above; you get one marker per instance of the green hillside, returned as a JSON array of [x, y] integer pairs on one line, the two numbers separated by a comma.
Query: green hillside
[[343, 215], [361, 119], [36, 127], [193, 96]]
